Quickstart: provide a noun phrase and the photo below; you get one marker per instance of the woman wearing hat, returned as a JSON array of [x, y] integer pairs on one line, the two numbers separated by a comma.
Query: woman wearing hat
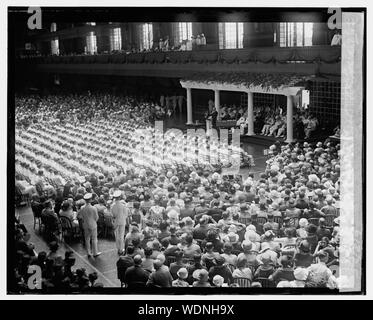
[[202, 278], [250, 253], [182, 275], [228, 256], [266, 268], [242, 271], [285, 272]]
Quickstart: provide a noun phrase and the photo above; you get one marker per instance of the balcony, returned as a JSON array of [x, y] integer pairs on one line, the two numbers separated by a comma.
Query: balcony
[[305, 60]]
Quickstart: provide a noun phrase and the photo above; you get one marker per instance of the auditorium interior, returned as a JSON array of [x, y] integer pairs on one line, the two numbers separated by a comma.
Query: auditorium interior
[[274, 84]]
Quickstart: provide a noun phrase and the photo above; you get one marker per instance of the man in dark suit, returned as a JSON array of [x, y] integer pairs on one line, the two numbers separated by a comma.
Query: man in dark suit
[[161, 277], [136, 276]]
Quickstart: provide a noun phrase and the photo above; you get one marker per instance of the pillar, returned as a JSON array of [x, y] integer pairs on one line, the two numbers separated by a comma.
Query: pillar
[[289, 119], [217, 102], [250, 114], [189, 106]]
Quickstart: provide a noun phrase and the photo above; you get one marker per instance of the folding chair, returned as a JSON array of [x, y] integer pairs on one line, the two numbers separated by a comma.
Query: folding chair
[[242, 282], [294, 222], [265, 282], [68, 230], [231, 267]]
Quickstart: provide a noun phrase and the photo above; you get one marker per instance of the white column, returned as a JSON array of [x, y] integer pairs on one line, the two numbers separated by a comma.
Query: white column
[[217, 102], [250, 114], [289, 119], [189, 106]]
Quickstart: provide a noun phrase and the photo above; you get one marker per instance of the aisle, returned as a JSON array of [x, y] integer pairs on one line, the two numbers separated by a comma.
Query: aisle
[[104, 265]]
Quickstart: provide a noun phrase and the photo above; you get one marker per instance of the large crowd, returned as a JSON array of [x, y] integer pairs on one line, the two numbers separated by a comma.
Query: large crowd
[[87, 159]]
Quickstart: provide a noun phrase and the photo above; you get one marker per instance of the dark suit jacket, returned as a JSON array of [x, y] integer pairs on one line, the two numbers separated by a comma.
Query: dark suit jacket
[[135, 275]]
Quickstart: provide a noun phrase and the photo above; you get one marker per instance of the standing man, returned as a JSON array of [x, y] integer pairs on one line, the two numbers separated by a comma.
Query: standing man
[[89, 216], [180, 103], [120, 215], [161, 100]]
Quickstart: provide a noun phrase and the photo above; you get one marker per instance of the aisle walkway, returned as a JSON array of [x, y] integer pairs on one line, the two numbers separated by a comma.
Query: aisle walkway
[[104, 265]]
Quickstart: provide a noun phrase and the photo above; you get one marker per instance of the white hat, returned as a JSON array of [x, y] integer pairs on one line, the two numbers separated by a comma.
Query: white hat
[[81, 179], [182, 273], [87, 196], [301, 274], [117, 194], [218, 280]]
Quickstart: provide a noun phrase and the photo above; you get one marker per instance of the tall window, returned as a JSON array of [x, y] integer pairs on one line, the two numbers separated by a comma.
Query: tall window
[[146, 36], [183, 31], [55, 47], [53, 27], [115, 39], [91, 43], [230, 35], [296, 34]]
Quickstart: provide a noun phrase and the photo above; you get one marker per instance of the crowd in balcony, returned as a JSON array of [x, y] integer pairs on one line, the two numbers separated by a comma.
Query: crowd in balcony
[[186, 224]]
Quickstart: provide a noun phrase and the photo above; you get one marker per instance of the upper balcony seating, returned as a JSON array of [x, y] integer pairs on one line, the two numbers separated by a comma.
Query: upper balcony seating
[[326, 54]]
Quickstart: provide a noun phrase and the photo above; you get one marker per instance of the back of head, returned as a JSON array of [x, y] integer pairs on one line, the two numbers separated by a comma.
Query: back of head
[[130, 250], [137, 260]]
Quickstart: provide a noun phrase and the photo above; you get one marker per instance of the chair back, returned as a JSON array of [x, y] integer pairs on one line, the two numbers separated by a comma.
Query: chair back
[[314, 221], [156, 220], [65, 224], [245, 220], [170, 259], [109, 221], [261, 220], [135, 218], [231, 267], [265, 282], [278, 220], [294, 222], [259, 224], [36, 208], [242, 282], [101, 218]]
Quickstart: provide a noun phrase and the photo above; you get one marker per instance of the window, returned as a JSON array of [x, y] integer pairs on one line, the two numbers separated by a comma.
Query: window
[[296, 34], [91, 23], [146, 36], [115, 39], [53, 27], [91, 43], [55, 47], [183, 31], [230, 35]]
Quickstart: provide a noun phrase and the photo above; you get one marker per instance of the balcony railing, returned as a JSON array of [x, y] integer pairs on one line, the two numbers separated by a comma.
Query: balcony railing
[[314, 54]]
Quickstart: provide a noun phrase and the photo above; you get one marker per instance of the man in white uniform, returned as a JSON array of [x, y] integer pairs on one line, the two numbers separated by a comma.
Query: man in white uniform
[[89, 216], [120, 215]]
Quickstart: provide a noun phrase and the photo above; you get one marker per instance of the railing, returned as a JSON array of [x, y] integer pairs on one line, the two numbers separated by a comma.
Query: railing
[[326, 54]]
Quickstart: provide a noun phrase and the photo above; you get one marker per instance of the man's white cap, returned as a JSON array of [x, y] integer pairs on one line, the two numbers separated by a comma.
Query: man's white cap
[[87, 196], [117, 194]]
